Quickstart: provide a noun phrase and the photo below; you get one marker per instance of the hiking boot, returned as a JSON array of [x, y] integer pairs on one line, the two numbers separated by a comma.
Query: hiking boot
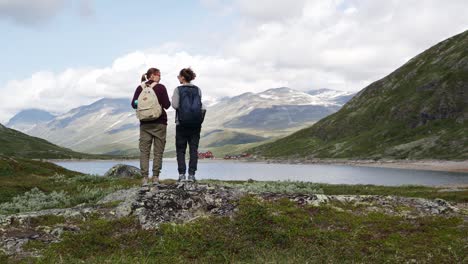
[[145, 182], [155, 181], [191, 178], [181, 177]]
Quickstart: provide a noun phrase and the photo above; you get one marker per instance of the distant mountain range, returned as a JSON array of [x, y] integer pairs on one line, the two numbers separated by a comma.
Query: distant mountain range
[[27, 119], [110, 126], [277, 109], [418, 111]]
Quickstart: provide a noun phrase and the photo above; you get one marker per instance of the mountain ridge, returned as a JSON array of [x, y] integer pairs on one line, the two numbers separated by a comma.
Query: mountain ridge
[[110, 126], [417, 111]]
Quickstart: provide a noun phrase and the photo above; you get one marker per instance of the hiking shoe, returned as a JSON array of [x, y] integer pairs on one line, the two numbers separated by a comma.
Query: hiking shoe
[[191, 178], [181, 177], [155, 181], [145, 182]]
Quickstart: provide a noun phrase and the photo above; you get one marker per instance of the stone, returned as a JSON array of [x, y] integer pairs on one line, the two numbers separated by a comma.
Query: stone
[[57, 232], [183, 202], [126, 197], [124, 171]]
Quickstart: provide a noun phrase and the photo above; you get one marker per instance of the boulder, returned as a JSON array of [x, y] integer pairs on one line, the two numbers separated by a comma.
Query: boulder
[[179, 203], [123, 171]]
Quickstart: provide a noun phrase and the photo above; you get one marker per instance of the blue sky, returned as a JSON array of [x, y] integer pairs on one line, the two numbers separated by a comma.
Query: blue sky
[[113, 28], [61, 54]]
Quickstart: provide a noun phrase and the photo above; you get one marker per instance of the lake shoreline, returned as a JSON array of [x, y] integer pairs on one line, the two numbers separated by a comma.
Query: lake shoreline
[[430, 165]]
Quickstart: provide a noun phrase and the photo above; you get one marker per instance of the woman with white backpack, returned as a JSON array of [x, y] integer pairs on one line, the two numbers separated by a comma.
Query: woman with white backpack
[[150, 101]]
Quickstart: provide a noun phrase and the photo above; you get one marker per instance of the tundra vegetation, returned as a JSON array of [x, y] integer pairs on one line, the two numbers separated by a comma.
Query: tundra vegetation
[[259, 230]]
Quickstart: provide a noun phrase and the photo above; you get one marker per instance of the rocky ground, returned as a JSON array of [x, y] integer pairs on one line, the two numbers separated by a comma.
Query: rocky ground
[[181, 203]]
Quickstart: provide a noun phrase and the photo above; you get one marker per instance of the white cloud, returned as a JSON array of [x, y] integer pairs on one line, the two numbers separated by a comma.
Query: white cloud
[[356, 40], [303, 44], [270, 10], [58, 92], [30, 12]]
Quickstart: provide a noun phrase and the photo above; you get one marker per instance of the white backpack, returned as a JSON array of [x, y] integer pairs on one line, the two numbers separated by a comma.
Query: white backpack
[[148, 107]]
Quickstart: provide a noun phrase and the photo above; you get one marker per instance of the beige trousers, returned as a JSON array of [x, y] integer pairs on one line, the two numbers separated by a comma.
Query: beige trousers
[[152, 134]]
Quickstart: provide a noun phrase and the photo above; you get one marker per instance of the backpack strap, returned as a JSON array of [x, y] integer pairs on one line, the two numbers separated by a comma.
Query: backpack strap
[[144, 85]]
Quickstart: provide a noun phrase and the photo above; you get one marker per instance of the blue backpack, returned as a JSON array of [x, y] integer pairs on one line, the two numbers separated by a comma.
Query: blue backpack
[[190, 107]]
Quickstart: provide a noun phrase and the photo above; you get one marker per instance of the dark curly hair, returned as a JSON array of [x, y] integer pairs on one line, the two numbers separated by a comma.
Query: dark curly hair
[[188, 74]]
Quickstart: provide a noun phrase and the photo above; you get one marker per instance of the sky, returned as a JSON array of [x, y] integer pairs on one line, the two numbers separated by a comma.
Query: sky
[[60, 54]]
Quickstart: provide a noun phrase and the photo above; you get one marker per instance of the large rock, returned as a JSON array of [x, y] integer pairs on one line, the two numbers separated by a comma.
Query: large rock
[[183, 203], [124, 171], [125, 197]]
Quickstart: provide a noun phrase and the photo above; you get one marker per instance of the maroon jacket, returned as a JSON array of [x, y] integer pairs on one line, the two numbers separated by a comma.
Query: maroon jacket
[[163, 99]]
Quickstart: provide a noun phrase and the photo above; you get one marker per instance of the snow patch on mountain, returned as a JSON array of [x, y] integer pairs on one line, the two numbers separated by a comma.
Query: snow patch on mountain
[[110, 125]]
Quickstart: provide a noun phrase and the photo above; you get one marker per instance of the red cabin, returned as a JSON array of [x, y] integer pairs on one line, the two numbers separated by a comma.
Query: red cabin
[[205, 155]]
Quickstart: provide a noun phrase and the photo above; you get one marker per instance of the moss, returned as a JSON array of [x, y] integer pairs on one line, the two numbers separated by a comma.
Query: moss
[[46, 220], [110, 204]]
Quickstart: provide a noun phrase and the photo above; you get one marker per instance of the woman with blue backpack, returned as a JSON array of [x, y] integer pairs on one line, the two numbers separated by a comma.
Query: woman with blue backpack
[[189, 118]]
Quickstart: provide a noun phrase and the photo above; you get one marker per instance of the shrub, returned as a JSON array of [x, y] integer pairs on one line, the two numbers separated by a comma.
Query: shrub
[[34, 200], [86, 194], [276, 187]]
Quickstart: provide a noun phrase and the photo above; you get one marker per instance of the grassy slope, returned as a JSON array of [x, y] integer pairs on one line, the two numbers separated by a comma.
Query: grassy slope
[[229, 138], [16, 144], [416, 112], [18, 176]]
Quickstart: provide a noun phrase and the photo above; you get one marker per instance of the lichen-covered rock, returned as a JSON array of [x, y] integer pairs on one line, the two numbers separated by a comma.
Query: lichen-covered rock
[[21, 218], [183, 202], [123, 171], [126, 197]]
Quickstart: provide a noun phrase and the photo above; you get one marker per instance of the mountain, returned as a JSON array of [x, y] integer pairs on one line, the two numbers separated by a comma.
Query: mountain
[[101, 127], [336, 96], [28, 119], [219, 138], [278, 109], [16, 144], [109, 126], [418, 111]]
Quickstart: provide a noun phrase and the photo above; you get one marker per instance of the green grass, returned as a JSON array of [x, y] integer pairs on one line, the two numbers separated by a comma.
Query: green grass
[[267, 232], [227, 137], [20, 175], [56, 186], [16, 144], [46, 220]]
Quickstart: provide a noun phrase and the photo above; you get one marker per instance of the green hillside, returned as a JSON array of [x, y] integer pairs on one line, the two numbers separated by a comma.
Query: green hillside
[[16, 144], [416, 112], [221, 138]]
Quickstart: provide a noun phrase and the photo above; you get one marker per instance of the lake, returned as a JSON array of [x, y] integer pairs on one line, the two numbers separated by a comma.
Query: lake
[[333, 174]]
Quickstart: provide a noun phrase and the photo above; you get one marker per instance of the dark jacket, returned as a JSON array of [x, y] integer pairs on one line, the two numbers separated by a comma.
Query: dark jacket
[[163, 99]]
